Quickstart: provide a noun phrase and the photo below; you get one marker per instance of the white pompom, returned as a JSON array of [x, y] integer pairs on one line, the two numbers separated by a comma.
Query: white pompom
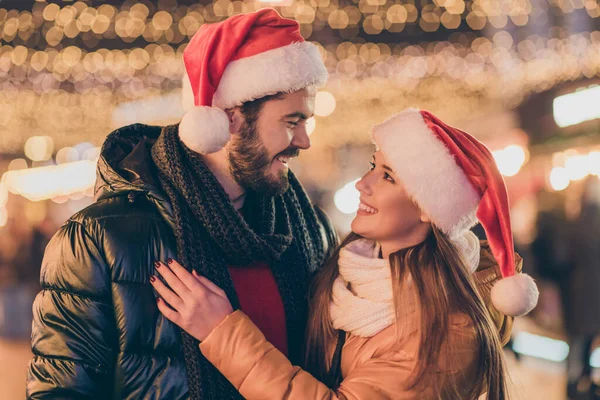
[[515, 295], [204, 130]]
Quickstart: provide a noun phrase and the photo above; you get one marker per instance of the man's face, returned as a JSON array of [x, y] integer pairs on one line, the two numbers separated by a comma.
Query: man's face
[[259, 153]]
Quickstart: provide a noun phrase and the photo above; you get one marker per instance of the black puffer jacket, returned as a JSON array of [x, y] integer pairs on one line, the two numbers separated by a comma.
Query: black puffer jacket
[[97, 333]]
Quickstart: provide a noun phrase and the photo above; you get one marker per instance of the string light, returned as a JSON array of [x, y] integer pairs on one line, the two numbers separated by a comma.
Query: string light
[[373, 16], [347, 199], [510, 160], [3, 194], [3, 216], [559, 178], [73, 90], [324, 104], [43, 183], [39, 148], [311, 125]]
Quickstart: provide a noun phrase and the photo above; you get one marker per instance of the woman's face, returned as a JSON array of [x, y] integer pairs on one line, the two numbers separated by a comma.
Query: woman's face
[[386, 213]]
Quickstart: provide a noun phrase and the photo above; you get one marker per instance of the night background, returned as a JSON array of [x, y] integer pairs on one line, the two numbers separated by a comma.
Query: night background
[[520, 75]]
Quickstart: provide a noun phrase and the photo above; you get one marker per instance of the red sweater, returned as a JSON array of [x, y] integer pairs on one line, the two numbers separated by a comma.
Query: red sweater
[[260, 300]]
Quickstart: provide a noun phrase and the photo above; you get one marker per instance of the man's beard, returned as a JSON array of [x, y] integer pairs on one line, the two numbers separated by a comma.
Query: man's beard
[[250, 163]]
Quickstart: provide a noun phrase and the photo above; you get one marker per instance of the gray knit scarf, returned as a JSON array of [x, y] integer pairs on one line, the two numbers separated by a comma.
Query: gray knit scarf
[[282, 231]]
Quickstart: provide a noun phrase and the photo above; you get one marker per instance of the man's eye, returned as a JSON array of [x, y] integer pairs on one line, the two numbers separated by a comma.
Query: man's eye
[[293, 123]]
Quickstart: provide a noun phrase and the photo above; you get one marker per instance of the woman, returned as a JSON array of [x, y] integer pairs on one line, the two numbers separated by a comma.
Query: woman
[[395, 314]]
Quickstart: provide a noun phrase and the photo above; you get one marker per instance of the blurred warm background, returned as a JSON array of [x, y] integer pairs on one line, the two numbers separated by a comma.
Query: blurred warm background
[[520, 75]]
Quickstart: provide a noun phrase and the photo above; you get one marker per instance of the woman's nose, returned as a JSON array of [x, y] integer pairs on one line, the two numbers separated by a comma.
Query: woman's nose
[[363, 186]]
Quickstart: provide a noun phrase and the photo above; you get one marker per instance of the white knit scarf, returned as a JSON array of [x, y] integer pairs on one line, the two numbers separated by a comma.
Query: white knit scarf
[[362, 301], [362, 298]]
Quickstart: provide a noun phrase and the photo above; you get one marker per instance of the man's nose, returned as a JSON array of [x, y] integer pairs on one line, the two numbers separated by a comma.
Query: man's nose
[[301, 138]]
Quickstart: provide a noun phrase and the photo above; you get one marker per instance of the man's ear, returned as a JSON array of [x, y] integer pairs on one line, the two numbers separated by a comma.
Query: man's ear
[[236, 120]]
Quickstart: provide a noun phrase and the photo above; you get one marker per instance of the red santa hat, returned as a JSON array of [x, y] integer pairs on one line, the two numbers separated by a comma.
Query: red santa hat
[[243, 58], [455, 181]]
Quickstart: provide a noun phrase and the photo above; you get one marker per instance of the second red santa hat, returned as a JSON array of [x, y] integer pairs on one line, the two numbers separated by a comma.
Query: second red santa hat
[[455, 181], [243, 58]]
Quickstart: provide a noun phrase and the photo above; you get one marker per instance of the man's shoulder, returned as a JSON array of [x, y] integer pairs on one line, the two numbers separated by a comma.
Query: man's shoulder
[[116, 210], [116, 228]]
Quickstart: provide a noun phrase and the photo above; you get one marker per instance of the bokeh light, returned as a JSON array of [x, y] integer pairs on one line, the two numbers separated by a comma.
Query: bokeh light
[[347, 198], [324, 104]]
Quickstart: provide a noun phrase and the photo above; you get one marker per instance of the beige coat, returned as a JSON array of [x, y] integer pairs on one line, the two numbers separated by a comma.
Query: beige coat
[[371, 368]]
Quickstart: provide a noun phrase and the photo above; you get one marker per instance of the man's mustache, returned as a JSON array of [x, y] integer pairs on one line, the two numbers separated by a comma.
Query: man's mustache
[[289, 152]]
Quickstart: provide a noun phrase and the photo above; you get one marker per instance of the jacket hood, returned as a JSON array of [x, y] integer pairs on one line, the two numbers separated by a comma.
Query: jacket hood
[[125, 166]]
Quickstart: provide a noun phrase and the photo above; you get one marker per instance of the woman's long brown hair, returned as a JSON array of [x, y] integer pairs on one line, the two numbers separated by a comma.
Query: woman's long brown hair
[[442, 286]]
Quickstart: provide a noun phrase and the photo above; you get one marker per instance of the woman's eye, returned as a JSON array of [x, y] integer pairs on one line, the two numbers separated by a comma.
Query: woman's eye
[[372, 164], [388, 177]]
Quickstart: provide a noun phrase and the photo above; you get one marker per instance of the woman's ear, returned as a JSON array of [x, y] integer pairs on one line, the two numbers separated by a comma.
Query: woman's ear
[[425, 218], [236, 120]]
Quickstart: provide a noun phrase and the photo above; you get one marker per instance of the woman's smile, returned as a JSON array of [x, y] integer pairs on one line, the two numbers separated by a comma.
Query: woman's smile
[[365, 209]]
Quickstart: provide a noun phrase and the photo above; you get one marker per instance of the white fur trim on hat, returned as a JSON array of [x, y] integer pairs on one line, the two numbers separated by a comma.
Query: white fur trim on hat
[[515, 295], [204, 130], [285, 69], [428, 171]]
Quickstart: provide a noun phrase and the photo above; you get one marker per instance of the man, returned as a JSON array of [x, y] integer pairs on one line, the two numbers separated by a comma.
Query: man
[[214, 192]]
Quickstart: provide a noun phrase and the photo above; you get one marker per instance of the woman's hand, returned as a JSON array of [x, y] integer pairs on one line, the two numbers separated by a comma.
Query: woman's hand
[[196, 304]]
